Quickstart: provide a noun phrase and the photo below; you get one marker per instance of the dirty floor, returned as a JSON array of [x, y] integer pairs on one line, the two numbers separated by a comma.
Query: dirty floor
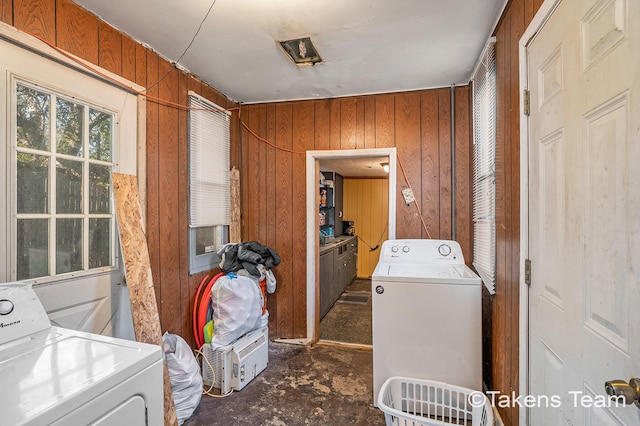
[[349, 320], [316, 385]]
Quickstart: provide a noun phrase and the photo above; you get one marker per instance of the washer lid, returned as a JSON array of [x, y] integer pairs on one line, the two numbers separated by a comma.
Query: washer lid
[[49, 373], [428, 274]]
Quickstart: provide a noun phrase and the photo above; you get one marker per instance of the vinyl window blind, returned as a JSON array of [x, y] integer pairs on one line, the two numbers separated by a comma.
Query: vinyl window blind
[[484, 168], [209, 194]]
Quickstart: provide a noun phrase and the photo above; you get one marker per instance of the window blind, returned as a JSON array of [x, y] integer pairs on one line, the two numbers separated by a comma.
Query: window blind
[[484, 168], [209, 197]]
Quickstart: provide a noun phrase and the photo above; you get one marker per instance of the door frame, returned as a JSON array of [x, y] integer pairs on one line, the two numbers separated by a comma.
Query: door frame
[[537, 23], [313, 173]]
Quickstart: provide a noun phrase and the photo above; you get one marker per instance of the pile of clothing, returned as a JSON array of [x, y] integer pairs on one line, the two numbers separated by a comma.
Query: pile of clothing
[[250, 259]]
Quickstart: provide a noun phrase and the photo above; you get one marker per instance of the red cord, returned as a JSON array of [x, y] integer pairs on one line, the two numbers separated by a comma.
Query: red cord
[[424, 225]]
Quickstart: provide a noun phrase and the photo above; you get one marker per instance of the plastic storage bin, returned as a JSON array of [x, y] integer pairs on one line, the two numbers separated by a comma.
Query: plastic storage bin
[[417, 402]]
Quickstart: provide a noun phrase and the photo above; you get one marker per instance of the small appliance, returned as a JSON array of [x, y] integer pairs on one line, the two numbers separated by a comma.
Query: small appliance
[[348, 228]]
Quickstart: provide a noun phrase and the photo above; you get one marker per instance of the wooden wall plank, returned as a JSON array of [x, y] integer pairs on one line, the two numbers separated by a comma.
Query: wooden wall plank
[[360, 122], [141, 66], [369, 122], [284, 220], [77, 30], [110, 48], [348, 111], [245, 171], [335, 124], [322, 115], [536, 5], [528, 11], [430, 141], [34, 17], [6, 12], [385, 121], [444, 149], [168, 177], [128, 58], [153, 189], [262, 152], [407, 137], [253, 176], [303, 134], [186, 294], [463, 195], [235, 148], [270, 212]]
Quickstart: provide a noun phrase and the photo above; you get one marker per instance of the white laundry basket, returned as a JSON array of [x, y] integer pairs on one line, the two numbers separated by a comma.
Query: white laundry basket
[[417, 402]]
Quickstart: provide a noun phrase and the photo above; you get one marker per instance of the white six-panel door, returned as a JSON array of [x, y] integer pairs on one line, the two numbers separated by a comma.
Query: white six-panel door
[[584, 211]]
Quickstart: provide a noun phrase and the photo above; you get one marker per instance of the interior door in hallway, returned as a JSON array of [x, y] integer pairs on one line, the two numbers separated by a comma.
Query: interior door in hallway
[[584, 204]]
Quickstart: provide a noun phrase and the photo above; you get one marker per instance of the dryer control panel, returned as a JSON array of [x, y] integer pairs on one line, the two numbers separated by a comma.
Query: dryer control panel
[[421, 251]]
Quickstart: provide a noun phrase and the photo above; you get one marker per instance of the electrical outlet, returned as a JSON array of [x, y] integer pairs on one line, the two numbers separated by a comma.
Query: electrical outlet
[[408, 196]]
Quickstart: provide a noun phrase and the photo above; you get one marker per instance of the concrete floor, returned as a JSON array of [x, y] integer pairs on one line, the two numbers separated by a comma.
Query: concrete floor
[[349, 322], [317, 385]]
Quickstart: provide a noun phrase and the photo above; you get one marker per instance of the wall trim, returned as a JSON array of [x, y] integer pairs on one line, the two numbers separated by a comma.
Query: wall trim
[[537, 23], [313, 173]]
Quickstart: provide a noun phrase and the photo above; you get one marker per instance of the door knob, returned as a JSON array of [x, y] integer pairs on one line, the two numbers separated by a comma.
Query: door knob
[[622, 391]]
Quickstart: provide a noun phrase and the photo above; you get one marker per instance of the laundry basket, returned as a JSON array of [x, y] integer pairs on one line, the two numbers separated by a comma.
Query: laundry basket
[[417, 402]]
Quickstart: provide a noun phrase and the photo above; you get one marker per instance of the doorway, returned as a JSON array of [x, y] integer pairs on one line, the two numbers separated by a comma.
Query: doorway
[[317, 160]]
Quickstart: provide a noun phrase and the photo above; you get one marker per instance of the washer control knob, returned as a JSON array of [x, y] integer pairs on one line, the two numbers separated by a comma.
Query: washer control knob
[[6, 307], [406, 249], [444, 249], [394, 249]]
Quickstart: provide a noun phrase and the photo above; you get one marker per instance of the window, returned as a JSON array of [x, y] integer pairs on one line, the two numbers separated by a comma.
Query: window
[[484, 168], [64, 220], [209, 180]]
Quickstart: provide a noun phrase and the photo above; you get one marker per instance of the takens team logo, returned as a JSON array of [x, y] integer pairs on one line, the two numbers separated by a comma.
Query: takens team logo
[[575, 398]]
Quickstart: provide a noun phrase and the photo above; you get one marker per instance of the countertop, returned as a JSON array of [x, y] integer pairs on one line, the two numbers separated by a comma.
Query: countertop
[[336, 242]]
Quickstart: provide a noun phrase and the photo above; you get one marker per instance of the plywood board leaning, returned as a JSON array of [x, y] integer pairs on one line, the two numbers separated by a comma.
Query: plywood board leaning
[[146, 321], [235, 230]]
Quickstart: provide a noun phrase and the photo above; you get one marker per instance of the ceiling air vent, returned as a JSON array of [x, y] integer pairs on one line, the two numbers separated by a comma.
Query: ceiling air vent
[[301, 51]]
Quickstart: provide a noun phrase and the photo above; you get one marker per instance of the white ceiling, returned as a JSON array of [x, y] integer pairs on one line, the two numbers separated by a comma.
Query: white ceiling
[[356, 166], [368, 46]]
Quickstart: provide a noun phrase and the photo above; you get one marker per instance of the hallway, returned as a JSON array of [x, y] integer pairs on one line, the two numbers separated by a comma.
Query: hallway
[[349, 320]]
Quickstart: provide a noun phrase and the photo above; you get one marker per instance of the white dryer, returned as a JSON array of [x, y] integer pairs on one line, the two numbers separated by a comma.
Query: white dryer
[[51, 375], [426, 314]]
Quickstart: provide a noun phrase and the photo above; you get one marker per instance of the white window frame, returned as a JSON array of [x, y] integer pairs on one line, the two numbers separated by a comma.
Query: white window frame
[[484, 167], [209, 181], [53, 155], [123, 161]]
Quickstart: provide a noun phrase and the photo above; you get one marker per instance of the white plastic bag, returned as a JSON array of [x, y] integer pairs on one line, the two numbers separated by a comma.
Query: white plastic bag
[[237, 309], [184, 374]]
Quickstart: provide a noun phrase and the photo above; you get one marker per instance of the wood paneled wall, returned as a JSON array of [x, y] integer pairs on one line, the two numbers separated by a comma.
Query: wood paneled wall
[[501, 311], [273, 180], [71, 28], [366, 203]]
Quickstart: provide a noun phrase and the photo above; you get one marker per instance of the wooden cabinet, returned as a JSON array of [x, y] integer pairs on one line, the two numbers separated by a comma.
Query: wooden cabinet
[[338, 267], [326, 282]]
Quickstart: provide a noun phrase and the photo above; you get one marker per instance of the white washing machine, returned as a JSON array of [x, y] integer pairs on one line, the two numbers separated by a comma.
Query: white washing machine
[[427, 314], [54, 376]]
